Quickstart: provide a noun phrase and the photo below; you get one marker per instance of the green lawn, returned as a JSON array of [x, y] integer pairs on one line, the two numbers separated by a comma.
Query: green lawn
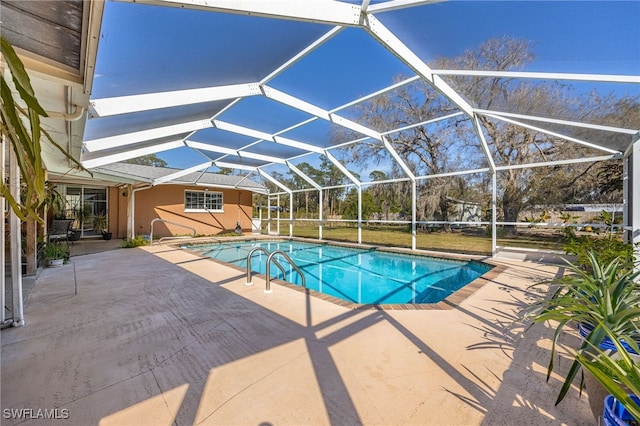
[[471, 241]]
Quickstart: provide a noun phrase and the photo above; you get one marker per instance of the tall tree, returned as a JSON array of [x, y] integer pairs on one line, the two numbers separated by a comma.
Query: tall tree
[[426, 149], [350, 205], [449, 144], [331, 176], [388, 197], [512, 144], [306, 199]]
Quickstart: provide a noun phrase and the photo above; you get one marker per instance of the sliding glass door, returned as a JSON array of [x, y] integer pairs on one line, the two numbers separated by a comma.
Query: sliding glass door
[[83, 203]]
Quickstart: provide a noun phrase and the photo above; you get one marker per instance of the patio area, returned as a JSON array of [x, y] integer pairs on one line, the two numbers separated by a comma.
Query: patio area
[[160, 336]]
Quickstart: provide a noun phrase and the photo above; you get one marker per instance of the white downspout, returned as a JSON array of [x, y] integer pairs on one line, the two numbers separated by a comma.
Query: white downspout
[[131, 230]]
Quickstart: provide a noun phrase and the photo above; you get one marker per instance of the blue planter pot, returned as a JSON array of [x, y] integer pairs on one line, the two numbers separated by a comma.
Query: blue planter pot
[[615, 414], [584, 330]]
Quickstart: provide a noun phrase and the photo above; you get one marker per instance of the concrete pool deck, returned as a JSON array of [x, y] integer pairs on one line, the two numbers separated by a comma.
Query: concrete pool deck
[[160, 336]]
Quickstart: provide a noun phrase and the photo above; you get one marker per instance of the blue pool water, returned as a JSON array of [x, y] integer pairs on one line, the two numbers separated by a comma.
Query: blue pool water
[[355, 275]]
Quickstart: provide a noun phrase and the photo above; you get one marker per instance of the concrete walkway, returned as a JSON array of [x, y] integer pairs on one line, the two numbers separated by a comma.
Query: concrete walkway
[[158, 336]]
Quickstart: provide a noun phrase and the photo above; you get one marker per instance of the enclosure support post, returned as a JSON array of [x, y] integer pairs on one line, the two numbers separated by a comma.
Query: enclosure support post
[[278, 215], [320, 205], [291, 215], [16, 243], [632, 190], [2, 240], [414, 192], [414, 187], [626, 195], [359, 214], [268, 214], [494, 212]]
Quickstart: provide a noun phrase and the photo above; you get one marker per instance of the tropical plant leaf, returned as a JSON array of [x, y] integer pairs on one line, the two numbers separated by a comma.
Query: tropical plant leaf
[[22, 127], [20, 77], [605, 296]]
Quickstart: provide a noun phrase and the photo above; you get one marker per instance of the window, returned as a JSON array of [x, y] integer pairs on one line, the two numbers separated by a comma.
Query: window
[[202, 201]]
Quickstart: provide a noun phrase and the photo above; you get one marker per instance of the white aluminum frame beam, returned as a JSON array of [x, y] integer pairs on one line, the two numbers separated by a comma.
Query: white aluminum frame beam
[[105, 107], [604, 78], [556, 134], [224, 164], [342, 168], [241, 130], [274, 181], [378, 93], [314, 110], [398, 4], [304, 52], [423, 123], [559, 162], [303, 175], [414, 190], [558, 121], [485, 146], [124, 139], [230, 151], [356, 182], [397, 158], [131, 153], [316, 11], [184, 172], [392, 43]]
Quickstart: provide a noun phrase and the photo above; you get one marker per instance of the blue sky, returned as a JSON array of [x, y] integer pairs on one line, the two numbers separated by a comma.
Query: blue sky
[[145, 49]]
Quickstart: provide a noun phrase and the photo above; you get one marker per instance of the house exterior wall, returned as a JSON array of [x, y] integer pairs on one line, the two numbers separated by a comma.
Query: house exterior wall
[[167, 202], [120, 225]]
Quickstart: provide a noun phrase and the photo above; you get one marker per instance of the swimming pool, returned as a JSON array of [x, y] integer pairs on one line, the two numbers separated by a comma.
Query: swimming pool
[[363, 276]]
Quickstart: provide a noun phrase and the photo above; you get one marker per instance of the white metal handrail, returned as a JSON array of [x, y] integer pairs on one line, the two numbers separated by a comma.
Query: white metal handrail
[[172, 223], [291, 262], [265, 251]]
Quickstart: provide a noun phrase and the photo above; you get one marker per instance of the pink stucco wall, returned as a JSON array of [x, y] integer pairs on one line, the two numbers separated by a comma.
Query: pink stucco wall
[[167, 202]]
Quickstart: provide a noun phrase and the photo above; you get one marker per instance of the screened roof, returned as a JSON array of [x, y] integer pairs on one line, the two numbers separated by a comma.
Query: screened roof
[[262, 86]]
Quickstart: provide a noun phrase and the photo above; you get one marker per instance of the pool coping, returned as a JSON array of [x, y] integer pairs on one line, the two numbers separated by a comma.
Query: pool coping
[[450, 302]]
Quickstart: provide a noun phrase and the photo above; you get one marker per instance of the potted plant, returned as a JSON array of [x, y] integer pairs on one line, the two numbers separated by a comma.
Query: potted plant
[[618, 372], [55, 254], [602, 298], [100, 225]]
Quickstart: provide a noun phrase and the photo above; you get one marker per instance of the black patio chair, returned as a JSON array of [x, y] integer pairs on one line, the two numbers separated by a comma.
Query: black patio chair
[[60, 230]]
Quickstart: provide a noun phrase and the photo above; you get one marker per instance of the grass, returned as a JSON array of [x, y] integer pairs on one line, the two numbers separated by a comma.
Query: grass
[[470, 241]]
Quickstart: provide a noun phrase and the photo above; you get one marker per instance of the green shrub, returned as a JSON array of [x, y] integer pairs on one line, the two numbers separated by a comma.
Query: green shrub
[[608, 248], [55, 251], [137, 241]]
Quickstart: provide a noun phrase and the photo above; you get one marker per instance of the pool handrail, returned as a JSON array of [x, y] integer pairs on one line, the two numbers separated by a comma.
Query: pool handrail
[[172, 223], [265, 251], [291, 262]]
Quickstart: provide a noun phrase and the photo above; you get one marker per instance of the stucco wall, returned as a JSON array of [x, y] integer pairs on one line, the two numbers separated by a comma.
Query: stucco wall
[[167, 202], [118, 200]]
